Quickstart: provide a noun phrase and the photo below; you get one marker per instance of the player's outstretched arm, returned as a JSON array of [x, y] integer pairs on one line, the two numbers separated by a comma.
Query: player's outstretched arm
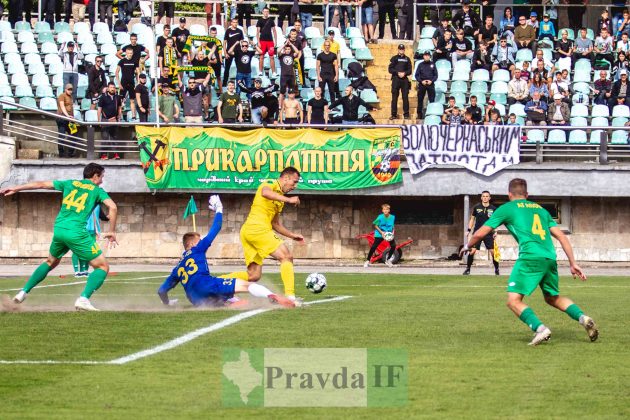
[[112, 214], [170, 282], [269, 194], [476, 238], [37, 185], [277, 225], [576, 270], [215, 205]]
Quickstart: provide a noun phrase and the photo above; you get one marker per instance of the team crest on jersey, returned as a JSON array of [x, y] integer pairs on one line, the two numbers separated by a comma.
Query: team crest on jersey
[[385, 158], [154, 156]]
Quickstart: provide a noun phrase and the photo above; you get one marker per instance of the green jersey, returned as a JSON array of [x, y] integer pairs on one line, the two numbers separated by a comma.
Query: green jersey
[[79, 199], [529, 224]]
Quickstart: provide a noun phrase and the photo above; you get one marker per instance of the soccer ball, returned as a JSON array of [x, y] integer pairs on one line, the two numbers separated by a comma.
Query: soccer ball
[[316, 282], [388, 236]]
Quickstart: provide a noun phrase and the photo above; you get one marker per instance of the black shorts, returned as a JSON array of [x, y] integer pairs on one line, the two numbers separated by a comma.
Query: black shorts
[[128, 88], [291, 120], [166, 9], [287, 83], [488, 242], [217, 69]]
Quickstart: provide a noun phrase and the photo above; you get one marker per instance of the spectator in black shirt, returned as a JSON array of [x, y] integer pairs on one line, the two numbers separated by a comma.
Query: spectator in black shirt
[[444, 47], [488, 33], [426, 75], [240, 51], [258, 101], [288, 55], [400, 68], [192, 98], [232, 36], [475, 110], [299, 42], [109, 110], [467, 20], [439, 32], [266, 35], [180, 34], [161, 40], [350, 105], [97, 81], [327, 69], [482, 59], [137, 50], [142, 98], [317, 108], [126, 79]]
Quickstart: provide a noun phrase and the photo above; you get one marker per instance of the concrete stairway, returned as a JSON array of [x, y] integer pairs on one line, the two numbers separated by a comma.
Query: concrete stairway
[[378, 74]]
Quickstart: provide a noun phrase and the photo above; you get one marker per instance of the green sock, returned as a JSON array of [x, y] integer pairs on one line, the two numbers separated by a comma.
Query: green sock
[[574, 312], [76, 263], [94, 281], [38, 275], [529, 317], [84, 266]]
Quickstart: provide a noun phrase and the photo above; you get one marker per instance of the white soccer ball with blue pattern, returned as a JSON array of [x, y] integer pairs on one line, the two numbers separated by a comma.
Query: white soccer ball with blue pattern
[[388, 236], [316, 282]]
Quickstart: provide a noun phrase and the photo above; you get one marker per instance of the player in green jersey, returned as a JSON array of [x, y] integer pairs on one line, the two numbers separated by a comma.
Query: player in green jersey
[[70, 233], [532, 227]]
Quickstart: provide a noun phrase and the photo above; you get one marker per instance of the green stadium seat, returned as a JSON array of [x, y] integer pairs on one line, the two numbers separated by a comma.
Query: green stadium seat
[[312, 32], [518, 110], [579, 110], [460, 98], [618, 122], [578, 137], [524, 55], [481, 101], [8, 107], [596, 136], [5, 26], [35, 68], [433, 120], [15, 67], [369, 96], [600, 111], [444, 74], [62, 27], [353, 32], [434, 108], [480, 75], [443, 64], [599, 122], [28, 101], [499, 98], [64, 37], [8, 47], [535, 136], [499, 87], [356, 43], [28, 48], [478, 87], [590, 34], [364, 54], [346, 61], [618, 137], [579, 122], [48, 104], [427, 32], [26, 36], [81, 27], [49, 48], [317, 42], [45, 92], [5, 90], [441, 86], [621, 111], [45, 37], [501, 75], [459, 86], [570, 33], [425, 45], [22, 26]]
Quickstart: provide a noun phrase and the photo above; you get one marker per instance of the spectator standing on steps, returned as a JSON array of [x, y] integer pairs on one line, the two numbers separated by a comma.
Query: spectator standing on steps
[[70, 59], [109, 110], [426, 75], [400, 68], [350, 105], [65, 108]]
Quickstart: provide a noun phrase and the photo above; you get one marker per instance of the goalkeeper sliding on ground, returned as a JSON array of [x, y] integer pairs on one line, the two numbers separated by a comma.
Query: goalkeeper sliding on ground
[[192, 272]]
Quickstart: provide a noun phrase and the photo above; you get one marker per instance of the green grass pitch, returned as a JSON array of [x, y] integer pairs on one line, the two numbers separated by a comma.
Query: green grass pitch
[[468, 355]]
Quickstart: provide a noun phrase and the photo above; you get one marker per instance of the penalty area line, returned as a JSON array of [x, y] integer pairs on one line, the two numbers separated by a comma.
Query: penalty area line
[[169, 345], [74, 283]]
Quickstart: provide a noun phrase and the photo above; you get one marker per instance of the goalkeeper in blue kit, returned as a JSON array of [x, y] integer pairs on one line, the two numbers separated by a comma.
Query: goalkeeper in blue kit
[[193, 273]]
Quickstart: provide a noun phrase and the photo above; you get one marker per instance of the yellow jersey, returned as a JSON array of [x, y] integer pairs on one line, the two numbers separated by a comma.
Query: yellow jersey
[[264, 210], [334, 48]]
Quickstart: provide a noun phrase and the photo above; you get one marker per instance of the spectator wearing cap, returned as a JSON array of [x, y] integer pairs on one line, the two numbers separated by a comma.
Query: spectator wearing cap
[[258, 99], [192, 98], [168, 108], [180, 34], [229, 108], [525, 35], [142, 98], [243, 57], [97, 81], [558, 112], [426, 75], [65, 108], [70, 57], [536, 111], [546, 30], [334, 45], [327, 70], [350, 105], [467, 20], [518, 90], [533, 20], [462, 48], [109, 110], [490, 107], [620, 94], [400, 68]]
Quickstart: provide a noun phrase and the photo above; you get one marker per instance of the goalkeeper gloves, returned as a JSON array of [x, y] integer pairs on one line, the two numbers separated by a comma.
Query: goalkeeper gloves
[[214, 204]]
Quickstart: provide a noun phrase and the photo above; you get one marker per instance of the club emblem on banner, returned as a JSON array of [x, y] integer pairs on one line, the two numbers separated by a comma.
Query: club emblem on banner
[[385, 158], [154, 156]]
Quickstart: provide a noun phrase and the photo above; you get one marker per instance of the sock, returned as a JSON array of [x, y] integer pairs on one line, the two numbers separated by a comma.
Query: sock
[[94, 281], [76, 263], [38, 275], [496, 264], [469, 261], [574, 312], [85, 266], [288, 278], [258, 290], [529, 317], [242, 275]]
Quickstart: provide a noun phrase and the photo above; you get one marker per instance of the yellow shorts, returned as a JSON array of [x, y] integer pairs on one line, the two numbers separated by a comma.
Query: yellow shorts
[[258, 244]]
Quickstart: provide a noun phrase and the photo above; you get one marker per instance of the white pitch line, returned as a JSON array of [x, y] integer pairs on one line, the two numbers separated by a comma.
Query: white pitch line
[[74, 283], [169, 344]]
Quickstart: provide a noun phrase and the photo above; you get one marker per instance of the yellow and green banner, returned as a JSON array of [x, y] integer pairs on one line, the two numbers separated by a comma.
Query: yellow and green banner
[[218, 158]]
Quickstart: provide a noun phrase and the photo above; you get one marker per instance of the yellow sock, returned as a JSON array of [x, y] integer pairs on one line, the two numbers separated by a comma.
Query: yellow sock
[[242, 275], [288, 278]]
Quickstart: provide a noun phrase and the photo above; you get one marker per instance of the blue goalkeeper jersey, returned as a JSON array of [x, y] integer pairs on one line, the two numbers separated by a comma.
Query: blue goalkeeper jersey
[[193, 273]]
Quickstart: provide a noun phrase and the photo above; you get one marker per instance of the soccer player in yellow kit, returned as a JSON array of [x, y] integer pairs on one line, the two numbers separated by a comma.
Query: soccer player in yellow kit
[[259, 232]]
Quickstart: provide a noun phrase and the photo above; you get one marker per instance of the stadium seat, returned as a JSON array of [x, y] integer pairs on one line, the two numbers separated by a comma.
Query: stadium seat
[[534, 136], [85, 38], [596, 136], [5, 25], [197, 29], [461, 71], [425, 45], [579, 110], [9, 47], [580, 98], [434, 108], [61, 27], [139, 28], [501, 108], [582, 87], [618, 137], [57, 80], [480, 75], [570, 33], [518, 110], [6, 35], [578, 137], [44, 92], [104, 38], [81, 27], [353, 32], [557, 136], [600, 111], [499, 87], [444, 74], [64, 37], [5, 90], [108, 49], [49, 48], [35, 68], [477, 88], [55, 68], [48, 104], [499, 98], [460, 99], [579, 122], [582, 76], [524, 54], [364, 54], [433, 120], [32, 58], [621, 111], [481, 101], [91, 115], [440, 86], [427, 32], [29, 47], [599, 122], [46, 37], [90, 48], [122, 38], [8, 99], [459, 86], [618, 122], [51, 58], [356, 43], [15, 67], [311, 32], [590, 34], [85, 104], [101, 27], [4, 80], [369, 96], [22, 26], [26, 36], [583, 65], [28, 101], [501, 76]]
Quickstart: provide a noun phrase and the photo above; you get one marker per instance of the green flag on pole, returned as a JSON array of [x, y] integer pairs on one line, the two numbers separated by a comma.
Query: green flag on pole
[[191, 207]]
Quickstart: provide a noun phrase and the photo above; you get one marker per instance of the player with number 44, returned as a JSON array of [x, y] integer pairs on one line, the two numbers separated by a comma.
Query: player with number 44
[[70, 232]]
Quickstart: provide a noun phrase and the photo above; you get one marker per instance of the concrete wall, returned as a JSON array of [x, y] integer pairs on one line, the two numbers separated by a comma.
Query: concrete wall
[[151, 226]]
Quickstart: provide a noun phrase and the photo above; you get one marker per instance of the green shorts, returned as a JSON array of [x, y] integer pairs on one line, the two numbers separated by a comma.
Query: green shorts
[[529, 274], [81, 243]]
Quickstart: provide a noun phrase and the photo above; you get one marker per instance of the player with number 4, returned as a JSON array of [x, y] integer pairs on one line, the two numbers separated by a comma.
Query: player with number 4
[[70, 232], [202, 288], [532, 226]]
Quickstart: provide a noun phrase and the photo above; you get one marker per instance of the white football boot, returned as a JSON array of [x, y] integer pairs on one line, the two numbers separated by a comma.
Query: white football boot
[[83, 304], [19, 298], [541, 336]]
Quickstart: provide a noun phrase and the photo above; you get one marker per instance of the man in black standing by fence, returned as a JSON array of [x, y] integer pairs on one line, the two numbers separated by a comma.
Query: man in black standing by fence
[[426, 75], [109, 110], [400, 68]]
